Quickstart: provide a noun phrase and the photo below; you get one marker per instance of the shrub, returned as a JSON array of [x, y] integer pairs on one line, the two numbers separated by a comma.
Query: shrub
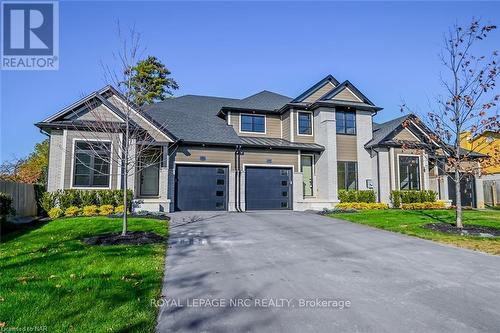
[[106, 197], [72, 211], [88, 197], [362, 205], [68, 198], [423, 205], [106, 210], [396, 199], [119, 209], [81, 198], [47, 201], [5, 204], [55, 213], [357, 196], [408, 197], [90, 210]]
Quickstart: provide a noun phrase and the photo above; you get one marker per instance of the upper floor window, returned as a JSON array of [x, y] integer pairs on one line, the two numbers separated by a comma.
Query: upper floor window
[[91, 167], [253, 123], [409, 173], [305, 123], [347, 175], [346, 122]]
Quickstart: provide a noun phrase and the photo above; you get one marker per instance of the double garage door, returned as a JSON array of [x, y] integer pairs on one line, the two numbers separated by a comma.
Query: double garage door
[[205, 187]]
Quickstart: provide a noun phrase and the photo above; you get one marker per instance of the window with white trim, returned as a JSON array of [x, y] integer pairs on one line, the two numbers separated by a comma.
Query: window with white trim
[[253, 123], [91, 168], [305, 123]]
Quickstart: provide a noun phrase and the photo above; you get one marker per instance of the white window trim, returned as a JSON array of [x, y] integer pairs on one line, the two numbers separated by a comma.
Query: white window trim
[[420, 173], [73, 165], [254, 115], [266, 165], [313, 167], [312, 123]]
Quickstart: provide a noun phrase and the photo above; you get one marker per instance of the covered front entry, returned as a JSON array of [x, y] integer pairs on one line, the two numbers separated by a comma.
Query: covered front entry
[[268, 188], [201, 187]]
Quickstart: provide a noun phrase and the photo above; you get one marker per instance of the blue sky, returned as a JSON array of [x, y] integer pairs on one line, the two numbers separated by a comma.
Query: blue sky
[[232, 49]]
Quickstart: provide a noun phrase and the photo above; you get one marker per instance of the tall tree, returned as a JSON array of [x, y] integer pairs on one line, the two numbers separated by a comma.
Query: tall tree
[[150, 81], [469, 101], [31, 169]]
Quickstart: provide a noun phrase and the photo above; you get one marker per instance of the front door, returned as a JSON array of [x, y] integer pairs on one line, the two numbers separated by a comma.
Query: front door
[[149, 174], [307, 173]]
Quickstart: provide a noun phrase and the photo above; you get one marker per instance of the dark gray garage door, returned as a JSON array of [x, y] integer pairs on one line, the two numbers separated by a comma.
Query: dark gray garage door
[[200, 187], [268, 188]]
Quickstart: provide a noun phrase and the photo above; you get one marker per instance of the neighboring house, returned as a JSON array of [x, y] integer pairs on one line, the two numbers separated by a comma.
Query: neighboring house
[[265, 151], [487, 143]]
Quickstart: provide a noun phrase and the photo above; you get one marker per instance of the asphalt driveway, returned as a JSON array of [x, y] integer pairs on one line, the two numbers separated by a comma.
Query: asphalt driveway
[[296, 272]]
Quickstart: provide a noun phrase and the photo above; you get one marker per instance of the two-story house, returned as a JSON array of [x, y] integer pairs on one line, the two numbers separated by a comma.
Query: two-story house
[[265, 151]]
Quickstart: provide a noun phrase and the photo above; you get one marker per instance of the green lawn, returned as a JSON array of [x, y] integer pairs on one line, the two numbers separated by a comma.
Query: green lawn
[[48, 277], [410, 223]]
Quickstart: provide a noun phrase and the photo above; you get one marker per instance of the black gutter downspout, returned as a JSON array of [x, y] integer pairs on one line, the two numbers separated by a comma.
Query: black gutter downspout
[[236, 178], [239, 178], [378, 174]]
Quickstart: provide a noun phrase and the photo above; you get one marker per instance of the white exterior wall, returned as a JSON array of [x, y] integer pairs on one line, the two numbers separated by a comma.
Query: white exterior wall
[[364, 134], [384, 187], [55, 172], [326, 165]]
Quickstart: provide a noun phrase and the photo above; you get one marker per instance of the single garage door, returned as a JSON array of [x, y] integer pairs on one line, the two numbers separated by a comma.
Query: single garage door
[[268, 188], [201, 187]]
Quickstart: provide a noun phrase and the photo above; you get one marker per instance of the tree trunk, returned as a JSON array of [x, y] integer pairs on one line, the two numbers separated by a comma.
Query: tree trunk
[[125, 206], [458, 201]]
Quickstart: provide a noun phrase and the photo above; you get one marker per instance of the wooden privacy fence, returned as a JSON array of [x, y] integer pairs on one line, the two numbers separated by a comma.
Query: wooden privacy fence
[[491, 192], [23, 197]]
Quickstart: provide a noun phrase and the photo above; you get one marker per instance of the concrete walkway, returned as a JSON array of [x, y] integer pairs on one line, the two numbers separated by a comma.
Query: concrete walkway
[[276, 264]]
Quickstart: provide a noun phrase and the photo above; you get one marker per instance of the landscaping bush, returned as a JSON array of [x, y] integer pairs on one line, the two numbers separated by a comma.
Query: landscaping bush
[[423, 205], [5, 204], [119, 209], [55, 213], [88, 197], [362, 205], [48, 201], [357, 196], [106, 210], [81, 198], [72, 211], [68, 198], [408, 197], [90, 210]]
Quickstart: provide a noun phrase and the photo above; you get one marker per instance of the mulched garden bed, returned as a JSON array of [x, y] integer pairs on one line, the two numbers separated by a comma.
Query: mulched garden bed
[[467, 230], [131, 238]]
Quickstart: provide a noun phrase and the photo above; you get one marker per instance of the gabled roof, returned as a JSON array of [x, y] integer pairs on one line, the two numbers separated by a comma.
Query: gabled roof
[[383, 131], [312, 89], [193, 118], [346, 84], [101, 95], [264, 100]]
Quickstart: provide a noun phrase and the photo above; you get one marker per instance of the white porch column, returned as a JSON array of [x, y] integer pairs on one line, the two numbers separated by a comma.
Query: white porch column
[[364, 134], [326, 165], [425, 162]]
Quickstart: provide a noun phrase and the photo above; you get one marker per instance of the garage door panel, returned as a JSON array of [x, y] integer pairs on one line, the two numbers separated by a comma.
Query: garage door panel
[[268, 188], [201, 187]]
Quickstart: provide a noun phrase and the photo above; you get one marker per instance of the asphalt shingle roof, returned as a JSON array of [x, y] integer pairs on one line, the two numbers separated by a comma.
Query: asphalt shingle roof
[[264, 100], [194, 118], [381, 131]]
